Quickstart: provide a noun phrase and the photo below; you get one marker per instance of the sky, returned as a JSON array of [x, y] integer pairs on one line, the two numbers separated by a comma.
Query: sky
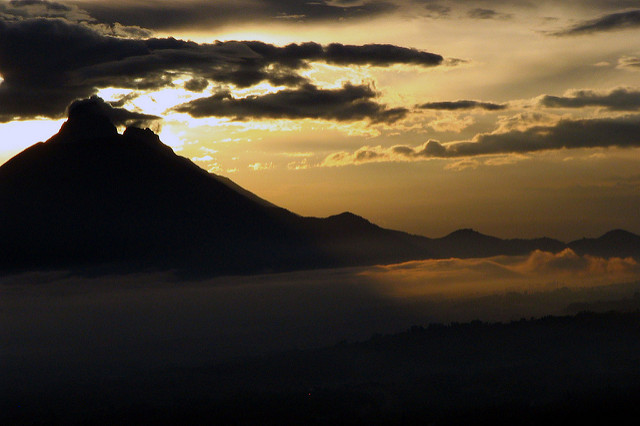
[[517, 118]]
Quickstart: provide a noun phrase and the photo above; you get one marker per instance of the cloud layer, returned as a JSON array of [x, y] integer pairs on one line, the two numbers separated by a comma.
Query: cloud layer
[[514, 273], [621, 132], [47, 63], [348, 103], [206, 14]]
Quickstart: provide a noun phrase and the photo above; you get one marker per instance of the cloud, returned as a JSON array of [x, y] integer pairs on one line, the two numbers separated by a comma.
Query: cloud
[[278, 65], [208, 14], [124, 99], [631, 63], [531, 272], [40, 62], [461, 165], [567, 261], [622, 132], [462, 105], [167, 15], [524, 120], [569, 134], [613, 21], [196, 84], [378, 55], [47, 63], [18, 10], [349, 103], [118, 116], [620, 99], [47, 5], [450, 122], [481, 13], [437, 10], [261, 166]]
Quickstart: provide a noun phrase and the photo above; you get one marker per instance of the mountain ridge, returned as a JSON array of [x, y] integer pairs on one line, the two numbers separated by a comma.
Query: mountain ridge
[[90, 196]]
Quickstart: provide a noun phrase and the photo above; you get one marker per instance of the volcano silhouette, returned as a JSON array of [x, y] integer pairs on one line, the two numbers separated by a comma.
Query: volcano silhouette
[[90, 197]]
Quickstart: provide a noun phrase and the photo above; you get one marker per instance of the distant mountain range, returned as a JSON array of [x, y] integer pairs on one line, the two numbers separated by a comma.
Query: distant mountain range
[[92, 198]]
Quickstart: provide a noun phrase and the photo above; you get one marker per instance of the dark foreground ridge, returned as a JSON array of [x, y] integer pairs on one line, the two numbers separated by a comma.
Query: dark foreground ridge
[[579, 369], [92, 199]]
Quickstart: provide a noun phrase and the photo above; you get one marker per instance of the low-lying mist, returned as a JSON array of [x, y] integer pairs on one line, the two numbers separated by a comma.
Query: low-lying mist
[[538, 271], [58, 326]]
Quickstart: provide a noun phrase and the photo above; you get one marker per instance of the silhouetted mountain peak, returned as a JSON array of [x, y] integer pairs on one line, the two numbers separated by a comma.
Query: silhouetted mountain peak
[[618, 242], [94, 119], [86, 121], [465, 233], [147, 138], [143, 135], [348, 216], [618, 234], [348, 219]]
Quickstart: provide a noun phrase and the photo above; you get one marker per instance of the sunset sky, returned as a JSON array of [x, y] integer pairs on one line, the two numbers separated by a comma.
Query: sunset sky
[[517, 118]]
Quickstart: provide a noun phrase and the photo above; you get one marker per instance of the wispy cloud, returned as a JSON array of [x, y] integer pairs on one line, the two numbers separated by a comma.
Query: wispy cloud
[[629, 63], [610, 22], [462, 105], [621, 132]]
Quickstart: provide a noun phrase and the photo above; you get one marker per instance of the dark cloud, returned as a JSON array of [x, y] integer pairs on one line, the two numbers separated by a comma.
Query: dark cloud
[[569, 134], [166, 15], [378, 55], [118, 116], [620, 99], [614, 21], [207, 14], [491, 9], [49, 5], [19, 10], [196, 84], [480, 13], [38, 58], [47, 63], [349, 103], [13, 10], [437, 10], [462, 105], [297, 55]]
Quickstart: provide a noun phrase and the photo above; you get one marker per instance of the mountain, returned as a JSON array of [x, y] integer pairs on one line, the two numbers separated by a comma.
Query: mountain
[[614, 243], [470, 243], [91, 197]]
